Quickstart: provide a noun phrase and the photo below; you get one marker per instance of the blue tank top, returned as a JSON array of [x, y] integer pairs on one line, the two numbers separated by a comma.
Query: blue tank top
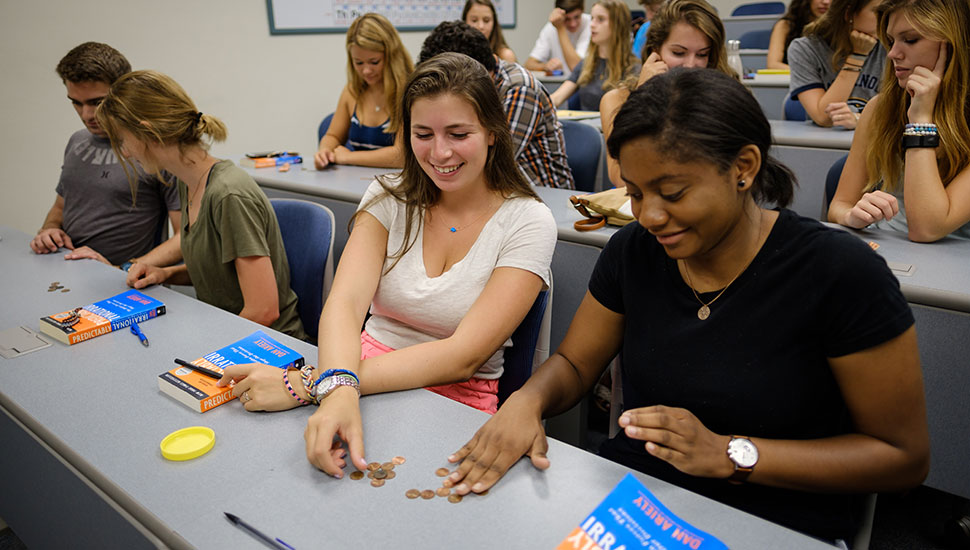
[[365, 138]]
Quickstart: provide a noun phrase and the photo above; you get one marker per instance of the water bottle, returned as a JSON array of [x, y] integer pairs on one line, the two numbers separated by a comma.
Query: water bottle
[[734, 57]]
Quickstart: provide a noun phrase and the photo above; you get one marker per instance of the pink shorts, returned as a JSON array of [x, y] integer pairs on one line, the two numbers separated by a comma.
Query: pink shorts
[[476, 392]]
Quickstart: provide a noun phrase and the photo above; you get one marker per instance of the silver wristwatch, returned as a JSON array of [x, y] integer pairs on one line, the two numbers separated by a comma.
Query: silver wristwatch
[[744, 454], [330, 383]]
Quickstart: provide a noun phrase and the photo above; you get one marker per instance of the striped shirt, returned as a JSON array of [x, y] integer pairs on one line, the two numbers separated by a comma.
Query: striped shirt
[[537, 136]]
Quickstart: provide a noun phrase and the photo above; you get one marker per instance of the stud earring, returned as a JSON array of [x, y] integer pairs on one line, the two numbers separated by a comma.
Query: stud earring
[[742, 183]]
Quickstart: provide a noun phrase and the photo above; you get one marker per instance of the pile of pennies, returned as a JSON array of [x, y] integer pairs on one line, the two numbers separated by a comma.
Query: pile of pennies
[[56, 285], [379, 474]]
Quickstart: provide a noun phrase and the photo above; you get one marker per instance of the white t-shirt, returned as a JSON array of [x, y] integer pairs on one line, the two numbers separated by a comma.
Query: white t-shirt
[[411, 308], [547, 45]]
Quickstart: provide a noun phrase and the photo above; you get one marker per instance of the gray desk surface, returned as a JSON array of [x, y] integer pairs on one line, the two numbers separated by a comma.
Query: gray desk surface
[[107, 417], [805, 134]]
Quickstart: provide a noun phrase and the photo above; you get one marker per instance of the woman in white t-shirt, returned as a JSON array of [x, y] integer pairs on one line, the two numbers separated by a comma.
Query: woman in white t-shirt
[[448, 256]]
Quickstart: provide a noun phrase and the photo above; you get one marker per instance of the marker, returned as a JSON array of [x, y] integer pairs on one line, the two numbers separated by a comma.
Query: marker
[[273, 543], [141, 335], [196, 368]]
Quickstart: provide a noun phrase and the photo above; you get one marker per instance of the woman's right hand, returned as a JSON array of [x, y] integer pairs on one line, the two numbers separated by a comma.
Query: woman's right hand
[[338, 415], [872, 207], [324, 158], [141, 275], [862, 43], [652, 67], [515, 430]]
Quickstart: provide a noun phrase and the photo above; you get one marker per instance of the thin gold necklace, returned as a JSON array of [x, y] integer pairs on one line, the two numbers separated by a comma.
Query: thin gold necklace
[[456, 228], [199, 185], [705, 310]]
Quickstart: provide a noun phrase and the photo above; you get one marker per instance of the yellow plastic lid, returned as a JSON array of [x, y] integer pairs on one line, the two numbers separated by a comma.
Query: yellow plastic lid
[[188, 443]]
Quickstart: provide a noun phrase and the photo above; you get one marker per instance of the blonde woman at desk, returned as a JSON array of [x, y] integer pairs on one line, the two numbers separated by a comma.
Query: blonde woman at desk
[[229, 246], [366, 115], [448, 256], [683, 33], [480, 14], [787, 393], [913, 141], [790, 27], [608, 59], [836, 65]]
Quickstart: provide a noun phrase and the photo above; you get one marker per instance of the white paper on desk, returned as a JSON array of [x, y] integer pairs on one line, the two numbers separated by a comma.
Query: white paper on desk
[[20, 340], [627, 209]]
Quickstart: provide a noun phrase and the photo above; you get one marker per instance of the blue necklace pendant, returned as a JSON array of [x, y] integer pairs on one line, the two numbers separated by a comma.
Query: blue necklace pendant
[[453, 230]]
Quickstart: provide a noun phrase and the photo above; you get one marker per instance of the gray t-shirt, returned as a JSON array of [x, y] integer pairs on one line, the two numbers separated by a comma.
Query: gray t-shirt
[[810, 60], [591, 93], [97, 201]]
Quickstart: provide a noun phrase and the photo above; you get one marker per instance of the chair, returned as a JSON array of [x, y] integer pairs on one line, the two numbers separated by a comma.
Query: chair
[[584, 153], [759, 8], [832, 183], [307, 229], [792, 109], [530, 346], [324, 126], [755, 40]]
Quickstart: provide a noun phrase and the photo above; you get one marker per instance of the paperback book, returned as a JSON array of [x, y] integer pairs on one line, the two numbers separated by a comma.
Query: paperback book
[[199, 392], [119, 312]]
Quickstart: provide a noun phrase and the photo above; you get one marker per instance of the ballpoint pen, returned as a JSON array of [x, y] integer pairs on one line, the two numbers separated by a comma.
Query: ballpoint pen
[[273, 543], [141, 335], [196, 368]]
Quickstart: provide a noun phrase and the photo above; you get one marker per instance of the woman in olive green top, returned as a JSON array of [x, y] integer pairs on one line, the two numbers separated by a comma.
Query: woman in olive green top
[[230, 240]]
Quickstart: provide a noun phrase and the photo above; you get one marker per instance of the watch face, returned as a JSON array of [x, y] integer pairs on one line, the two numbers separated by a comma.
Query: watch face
[[743, 452], [324, 387]]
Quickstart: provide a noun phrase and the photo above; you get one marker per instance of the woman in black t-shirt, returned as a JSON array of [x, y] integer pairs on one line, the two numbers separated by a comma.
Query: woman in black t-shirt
[[758, 347]]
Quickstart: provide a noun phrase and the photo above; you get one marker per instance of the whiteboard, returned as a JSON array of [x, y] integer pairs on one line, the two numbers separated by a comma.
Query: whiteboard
[[334, 16]]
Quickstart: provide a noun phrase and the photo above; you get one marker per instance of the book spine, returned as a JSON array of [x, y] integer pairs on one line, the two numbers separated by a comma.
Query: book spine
[[81, 336]]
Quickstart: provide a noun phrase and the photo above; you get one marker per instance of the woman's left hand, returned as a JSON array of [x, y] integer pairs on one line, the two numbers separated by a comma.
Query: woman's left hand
[[340, 155], [842, 115], [678, 437], [260, 387], [337, 420], [923, 86]]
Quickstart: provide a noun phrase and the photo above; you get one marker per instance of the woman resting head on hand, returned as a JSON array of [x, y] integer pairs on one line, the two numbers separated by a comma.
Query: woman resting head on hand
[[782, 392], [913, 141]]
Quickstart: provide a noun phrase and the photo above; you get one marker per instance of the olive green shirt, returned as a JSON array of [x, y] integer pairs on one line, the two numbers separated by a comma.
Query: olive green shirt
[[235, 220]]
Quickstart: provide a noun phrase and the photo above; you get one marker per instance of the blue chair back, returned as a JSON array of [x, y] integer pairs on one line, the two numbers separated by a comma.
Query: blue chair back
[[573, 103], [324, 126], [584, 152], [793, 110], [755, 40], [832, 182], [307, 229], [760, 8], [530, 346]]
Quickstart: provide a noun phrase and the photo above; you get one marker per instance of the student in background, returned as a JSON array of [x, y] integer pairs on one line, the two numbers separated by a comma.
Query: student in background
[[608, 60], [913, 141], [99, 213], [836, 65], [562, 41], [790, 27], [229, 239], [366, 115], [480, 14], [685, 33], [783, 392], [650, 8], [448, 256]]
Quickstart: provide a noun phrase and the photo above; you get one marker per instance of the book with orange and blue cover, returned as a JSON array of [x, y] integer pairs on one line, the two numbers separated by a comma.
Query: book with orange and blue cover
[[200, 393], [118, 312]]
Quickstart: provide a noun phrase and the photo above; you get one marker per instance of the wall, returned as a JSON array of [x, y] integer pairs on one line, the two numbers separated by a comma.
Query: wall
[[271, 91]]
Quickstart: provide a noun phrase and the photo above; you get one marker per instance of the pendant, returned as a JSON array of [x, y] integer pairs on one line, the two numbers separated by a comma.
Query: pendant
[[703, 313], [453, 230]]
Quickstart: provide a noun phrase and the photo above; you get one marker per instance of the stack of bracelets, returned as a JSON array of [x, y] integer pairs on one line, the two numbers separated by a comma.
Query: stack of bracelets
[[334, 377], [854, 62], [920, 135]]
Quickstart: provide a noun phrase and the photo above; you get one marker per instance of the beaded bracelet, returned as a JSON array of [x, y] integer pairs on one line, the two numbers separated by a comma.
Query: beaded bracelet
[[925, 129], [289, 388], [330, 372], [851, 68]]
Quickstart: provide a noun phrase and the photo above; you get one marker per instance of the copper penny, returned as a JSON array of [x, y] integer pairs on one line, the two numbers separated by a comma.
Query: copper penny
[[377, 482], [483, 493], [391, 475], [373, 466], [398, 460], [412, 493], [443, 491], [356, 474], [447, 483], [370, 475], [454, 497], [388, 466], [380, 473], [427, 494], [442, 472]]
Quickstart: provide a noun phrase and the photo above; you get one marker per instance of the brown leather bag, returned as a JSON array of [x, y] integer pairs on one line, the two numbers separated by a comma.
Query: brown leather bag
[[600, 209]]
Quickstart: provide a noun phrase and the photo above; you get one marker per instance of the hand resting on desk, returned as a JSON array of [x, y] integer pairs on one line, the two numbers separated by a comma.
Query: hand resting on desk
[[264, 386]]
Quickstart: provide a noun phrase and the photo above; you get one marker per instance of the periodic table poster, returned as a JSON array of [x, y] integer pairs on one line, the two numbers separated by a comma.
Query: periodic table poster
[[334, 16]]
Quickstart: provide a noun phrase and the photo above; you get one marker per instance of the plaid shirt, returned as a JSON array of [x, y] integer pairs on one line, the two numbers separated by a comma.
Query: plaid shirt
[[540, 149]]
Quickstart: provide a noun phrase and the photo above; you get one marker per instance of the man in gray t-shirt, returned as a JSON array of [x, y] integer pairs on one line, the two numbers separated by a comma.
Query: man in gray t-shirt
[[96, 213]]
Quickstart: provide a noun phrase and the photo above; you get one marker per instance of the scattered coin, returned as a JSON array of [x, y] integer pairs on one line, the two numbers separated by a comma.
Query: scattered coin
[[377, 482], [373, 466], [443, 491], [427, 494], [454, 497], [356, 474], [412, 493], [370, 474], [447, 483], [380, 473], [391, 475], [51, 289], [483, 493], [388, 466], [55, 283], [442, 472], [66, 290], [398, 460]]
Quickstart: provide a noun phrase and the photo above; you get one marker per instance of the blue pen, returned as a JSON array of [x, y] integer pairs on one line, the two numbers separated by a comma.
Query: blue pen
[[141, 335]]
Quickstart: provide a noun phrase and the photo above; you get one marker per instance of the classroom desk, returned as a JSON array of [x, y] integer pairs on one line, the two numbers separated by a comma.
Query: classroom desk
[[809, 151], [770, 91], [736, 25], [81, 466], [549, 82], [754, 58]]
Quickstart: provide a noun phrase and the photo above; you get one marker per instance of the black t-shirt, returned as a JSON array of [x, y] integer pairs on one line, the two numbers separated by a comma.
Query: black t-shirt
[[757, 366]]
